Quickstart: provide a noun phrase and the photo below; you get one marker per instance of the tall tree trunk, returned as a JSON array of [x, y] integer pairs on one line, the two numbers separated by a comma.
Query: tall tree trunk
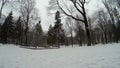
[[102, 39], [86, 28], [26, 30], [105, 36], [26, 43], [58, 45], [26, 36], [88, 36], [72, 38]]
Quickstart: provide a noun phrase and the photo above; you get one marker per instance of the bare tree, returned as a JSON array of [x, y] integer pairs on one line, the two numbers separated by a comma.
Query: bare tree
[[28, 13], [111, 11], [102, 22], [27, 7], [79, 5]]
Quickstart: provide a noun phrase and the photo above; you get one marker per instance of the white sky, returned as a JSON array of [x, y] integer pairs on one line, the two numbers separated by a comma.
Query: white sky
[[42, 6]]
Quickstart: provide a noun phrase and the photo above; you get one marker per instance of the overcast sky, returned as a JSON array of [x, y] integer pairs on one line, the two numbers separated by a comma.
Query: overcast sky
[[42, 6]]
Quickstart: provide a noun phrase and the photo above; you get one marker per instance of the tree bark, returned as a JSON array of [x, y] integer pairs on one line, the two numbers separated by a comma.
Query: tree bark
[[72, 38], [86, 27]]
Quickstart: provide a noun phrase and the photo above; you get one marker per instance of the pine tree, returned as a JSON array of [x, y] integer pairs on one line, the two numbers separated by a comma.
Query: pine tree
[[58, 31], [38, 34], [50, 36], [7, 31]]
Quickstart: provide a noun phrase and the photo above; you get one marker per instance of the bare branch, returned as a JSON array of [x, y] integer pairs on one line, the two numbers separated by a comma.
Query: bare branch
[[74, 3], [68, 14], [67, 8], [78, 4]]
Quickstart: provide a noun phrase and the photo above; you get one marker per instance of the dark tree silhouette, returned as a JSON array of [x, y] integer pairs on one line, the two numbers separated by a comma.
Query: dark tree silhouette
[[50, 36], [7, 31], [38, 35], [57, 27], [19, 31], [56, 33]]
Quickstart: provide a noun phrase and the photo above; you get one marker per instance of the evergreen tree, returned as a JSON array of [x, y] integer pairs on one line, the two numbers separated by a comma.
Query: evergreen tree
[[58, 31], [38, 34], [51, 36], [7, 31], [56, 34]]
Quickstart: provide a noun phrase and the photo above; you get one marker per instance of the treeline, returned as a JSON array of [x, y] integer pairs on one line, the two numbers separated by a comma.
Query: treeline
[[13, 32], [102, 27]]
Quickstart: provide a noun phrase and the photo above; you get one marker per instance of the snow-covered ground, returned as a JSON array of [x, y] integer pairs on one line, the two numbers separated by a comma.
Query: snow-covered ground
[[99, 56]]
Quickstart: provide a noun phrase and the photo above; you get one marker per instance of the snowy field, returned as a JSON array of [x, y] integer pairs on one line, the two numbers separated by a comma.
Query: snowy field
[[99, 56]]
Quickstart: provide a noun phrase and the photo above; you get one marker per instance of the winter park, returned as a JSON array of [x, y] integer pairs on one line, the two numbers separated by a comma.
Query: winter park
[[59, 33]]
